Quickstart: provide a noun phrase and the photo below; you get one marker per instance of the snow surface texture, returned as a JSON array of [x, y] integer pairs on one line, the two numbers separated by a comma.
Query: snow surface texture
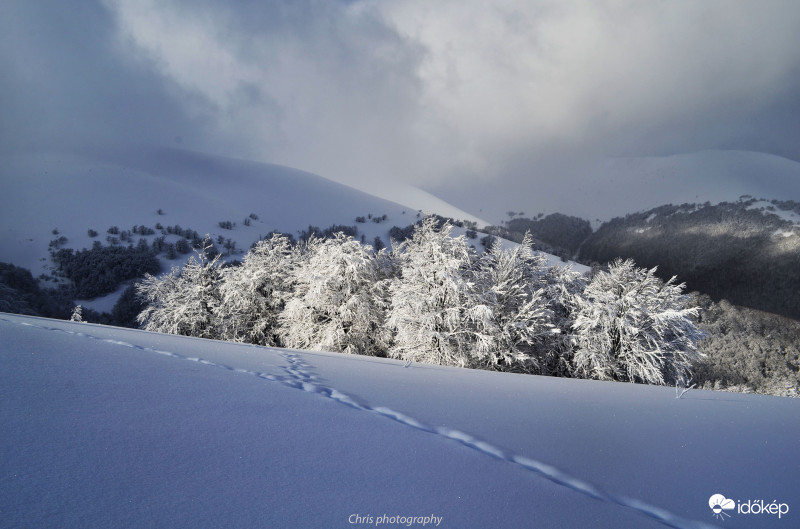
[[108, 427]]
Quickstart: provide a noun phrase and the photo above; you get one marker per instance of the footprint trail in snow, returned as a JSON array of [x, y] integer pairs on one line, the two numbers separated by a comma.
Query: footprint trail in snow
[[297, 374]]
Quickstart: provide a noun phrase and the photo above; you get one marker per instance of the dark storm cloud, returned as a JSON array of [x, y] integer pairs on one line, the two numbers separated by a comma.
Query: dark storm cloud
[[449, 91], [65, 84]]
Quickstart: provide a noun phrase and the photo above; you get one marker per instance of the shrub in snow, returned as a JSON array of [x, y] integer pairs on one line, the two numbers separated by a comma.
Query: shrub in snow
[[631, 326], [182, 246], [398, 234], [57, 243], [169, 251], [157, 246], [230, 246], [184, 301], [337, 304]]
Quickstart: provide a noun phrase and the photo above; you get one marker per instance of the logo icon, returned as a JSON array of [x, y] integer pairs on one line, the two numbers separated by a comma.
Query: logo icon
[[719, 504]]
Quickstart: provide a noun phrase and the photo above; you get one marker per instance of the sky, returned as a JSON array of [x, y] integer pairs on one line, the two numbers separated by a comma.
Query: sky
[[460, 94]]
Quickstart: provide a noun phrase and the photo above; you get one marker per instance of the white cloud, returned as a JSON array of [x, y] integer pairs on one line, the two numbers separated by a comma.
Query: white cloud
[[506, 75], [323, 86]]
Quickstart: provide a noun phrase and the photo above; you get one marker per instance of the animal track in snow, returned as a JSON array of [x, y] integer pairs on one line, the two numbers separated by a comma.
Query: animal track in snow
[[297, 375]]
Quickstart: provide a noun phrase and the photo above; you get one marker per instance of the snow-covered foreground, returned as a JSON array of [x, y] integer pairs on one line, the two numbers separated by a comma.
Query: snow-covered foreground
[[109, 427]]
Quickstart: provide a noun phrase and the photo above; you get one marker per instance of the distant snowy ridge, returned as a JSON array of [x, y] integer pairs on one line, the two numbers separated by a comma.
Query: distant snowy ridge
[[626, 185], [599, 190], [743, 250]]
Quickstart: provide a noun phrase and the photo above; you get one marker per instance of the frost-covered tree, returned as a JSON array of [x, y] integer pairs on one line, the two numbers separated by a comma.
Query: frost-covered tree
[[519, 318], [184, 301], [631, 326], [77, 314], [337, 304], [563, 288], [436, 310], [252, 295]]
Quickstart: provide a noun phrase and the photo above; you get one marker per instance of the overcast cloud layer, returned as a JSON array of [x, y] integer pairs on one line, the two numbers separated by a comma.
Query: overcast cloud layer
[[436, 93]]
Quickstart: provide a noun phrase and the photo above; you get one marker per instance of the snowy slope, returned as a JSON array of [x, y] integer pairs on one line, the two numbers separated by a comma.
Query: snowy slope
[[112, 427], [71, 193], [40, 192], [420, 199]]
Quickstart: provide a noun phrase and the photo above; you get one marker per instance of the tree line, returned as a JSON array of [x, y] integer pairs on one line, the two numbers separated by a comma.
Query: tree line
[[434, 299]]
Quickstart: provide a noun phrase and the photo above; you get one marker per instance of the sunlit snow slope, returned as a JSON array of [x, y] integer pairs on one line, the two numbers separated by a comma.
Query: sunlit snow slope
[[108, 427]]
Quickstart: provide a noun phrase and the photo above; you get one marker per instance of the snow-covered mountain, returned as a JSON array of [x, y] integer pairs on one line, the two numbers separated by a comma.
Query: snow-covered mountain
[[713, 176], [113, 427], [611, 187], [72, 193]]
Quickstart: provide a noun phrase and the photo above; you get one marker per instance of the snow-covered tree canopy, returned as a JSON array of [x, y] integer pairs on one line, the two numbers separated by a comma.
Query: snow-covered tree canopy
[[434, 299], [253, 294], [184, 301], [336, 303], [520, 318], [631, 326], [436, 307]]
